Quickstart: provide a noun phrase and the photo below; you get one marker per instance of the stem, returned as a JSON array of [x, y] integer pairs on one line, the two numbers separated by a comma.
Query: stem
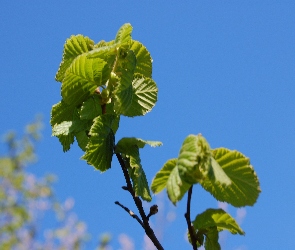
[[103, 108], [145, 222], [187, 216], [130, 213]]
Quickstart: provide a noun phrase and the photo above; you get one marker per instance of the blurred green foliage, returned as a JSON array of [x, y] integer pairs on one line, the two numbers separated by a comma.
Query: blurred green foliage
[[24, 199]]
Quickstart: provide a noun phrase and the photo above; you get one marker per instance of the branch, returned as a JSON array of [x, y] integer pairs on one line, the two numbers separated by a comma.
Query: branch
[[187, 216], [145, 220], [130, 213]]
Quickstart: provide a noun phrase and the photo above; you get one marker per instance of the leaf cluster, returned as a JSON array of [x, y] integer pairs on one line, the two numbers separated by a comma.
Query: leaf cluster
[[102, 81], [226, 174], [99, 83]]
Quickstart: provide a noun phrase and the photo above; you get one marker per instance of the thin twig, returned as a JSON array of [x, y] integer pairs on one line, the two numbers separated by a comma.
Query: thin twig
[[187, 216], [130, 213], [147, 228]]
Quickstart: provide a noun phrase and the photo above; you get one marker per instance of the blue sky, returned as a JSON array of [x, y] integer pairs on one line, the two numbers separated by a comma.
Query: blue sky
[[225, 69]]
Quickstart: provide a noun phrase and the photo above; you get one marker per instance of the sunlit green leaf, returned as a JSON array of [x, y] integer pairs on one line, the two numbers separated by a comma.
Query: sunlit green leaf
[[129, 148], [99, 150], [217, 174], [103, 43], [123, 99], [217, 218], [176, 187], [105, 51], [81, 79], [126, 142], [244, 188], [116, 121], [140, 184], [74, 46], [91, 108], [143, 59], [145, 96], [160, 180], [123, 92], [194, 159], [124, 33], [62, 128], [66, 130], [67, 127], [138, 99], [61, 112], [62, 132], [66, 141]]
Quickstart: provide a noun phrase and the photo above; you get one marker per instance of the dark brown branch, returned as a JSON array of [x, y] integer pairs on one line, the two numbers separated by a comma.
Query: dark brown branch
[[147, 228], [187, 216], [130, 213], [103, 108]]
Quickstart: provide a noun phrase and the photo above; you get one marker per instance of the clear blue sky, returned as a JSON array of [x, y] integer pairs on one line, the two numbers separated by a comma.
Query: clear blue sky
[[225, 69]]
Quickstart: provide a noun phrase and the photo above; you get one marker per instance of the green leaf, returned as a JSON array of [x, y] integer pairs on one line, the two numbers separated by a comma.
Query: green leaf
[[62, 128], [81, 79], [66, 141], [139, 98], [160, 180], [129, 148], [244, 188], [67, 127], [140, 184], [217, 174], [66, 130], [176, 187], [125, 66], [123, 99], [143, 59], [82, 139], [116, 121], [99, 150], [145, 95], [91, 108], [74, 46], [211, 242], [103, 43], [124, 33], [194, 159], [217, 218], [105, 51], [126, 142], [61, 112], [125, 70]]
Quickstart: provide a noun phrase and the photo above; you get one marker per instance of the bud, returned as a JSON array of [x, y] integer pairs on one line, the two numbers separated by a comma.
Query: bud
[[154, 209]]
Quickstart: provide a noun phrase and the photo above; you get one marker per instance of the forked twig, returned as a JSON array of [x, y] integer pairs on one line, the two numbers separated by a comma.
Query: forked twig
[[130, 213], [144, 222]]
